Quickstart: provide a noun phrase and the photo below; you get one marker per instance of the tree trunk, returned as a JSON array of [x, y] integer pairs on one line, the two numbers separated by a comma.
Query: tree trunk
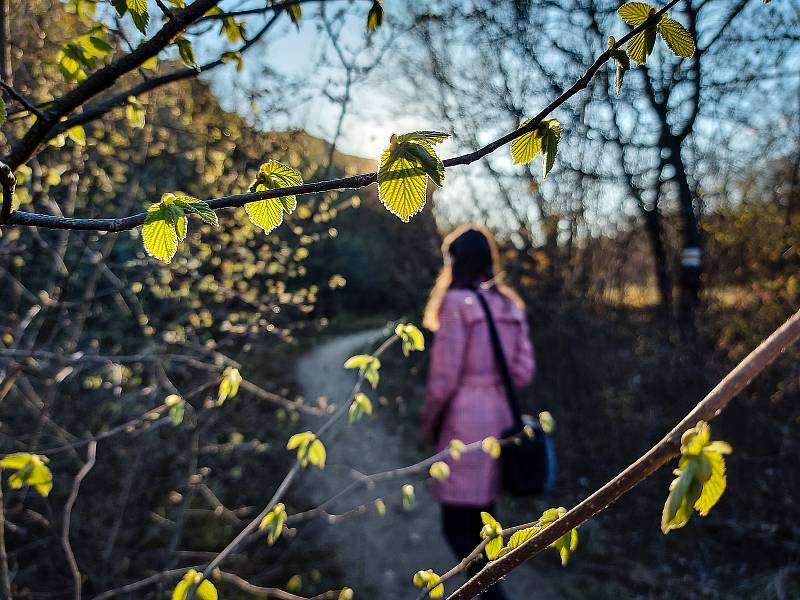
[[691, 266], [655, 232]]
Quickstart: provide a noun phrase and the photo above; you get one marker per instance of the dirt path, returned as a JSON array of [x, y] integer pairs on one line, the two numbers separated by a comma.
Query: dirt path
[[377, 556]]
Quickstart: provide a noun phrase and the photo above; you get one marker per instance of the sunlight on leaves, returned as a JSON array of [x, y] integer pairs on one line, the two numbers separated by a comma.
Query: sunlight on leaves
[[568, 542], [29, 469], [641, 45], [229, 386], [204, 591], [165, 224], [700, 480], [273, 523], [430, 580], [491, 531], [543, 139], [360, 406], [404, 169], [268, 214], [367, 365], [411, 336], [310, 450]]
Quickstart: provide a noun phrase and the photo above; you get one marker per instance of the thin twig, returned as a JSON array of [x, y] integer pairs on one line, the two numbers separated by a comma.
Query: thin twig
[[91, 455], [5, 579]]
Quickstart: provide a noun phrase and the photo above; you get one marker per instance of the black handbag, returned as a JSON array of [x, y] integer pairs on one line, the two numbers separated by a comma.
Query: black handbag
[[528, 462]]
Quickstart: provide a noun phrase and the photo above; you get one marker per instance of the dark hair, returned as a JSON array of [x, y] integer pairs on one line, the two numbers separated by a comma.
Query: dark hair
[[471, 260]]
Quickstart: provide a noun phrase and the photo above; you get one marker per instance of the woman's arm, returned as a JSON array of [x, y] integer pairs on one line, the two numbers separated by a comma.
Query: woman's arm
[[523, 365], [444, 370]]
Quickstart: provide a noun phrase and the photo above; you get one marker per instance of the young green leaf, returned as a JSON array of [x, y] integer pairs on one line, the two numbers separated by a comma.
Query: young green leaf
[[309, 449], [375, 16], [160, 231], [404, 169], [235, 57], [568, 542], [429, 579], [676, 37], [439, 470], [491, 531], [186, 51], [204, 591], [550, 138], [700, 480], [520, 537], [268, 214], [197, 207], [412, 338], [77, 134], [229, 386], [641, 45], [273, 523], [491, 446], [408, 496], [360, 406], [134, 112], [177, 408], [295, 13], [622, 63], [367, 365], [139, 14], [29, 469]]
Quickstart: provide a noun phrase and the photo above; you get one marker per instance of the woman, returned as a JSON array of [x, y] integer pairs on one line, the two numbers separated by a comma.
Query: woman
[[466, 399]]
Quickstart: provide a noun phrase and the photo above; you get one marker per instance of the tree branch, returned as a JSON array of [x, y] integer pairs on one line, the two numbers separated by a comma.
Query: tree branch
[[354, 182], [91, 454], [669, 447], [102, 79]]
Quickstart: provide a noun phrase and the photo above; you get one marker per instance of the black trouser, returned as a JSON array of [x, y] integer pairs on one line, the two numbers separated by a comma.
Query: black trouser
[[462, 527]]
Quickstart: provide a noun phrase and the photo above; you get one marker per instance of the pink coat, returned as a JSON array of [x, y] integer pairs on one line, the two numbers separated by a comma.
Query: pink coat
[[465, 391]]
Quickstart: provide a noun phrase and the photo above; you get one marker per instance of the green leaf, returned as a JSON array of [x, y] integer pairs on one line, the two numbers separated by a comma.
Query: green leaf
[[491, 446], [404, 169], [641, 45], [714, 486], [678, 507], [360, 406], [309, 449], [375, 16], [204, 591], [676, 37], [412, 338], [550, 138], [197, 207], [491, 531], [160, 231], [134, 112], [635, 13], [30, 469], [268, 214], [186, 51], [273, 523], [229, 386], [295, 13], [408, 496], [525, 148], [177, 411], [139, 14], [77, 134], [439, 470], [236, 57], [430, 580], [520, 537], [367, 365], [233, 30]]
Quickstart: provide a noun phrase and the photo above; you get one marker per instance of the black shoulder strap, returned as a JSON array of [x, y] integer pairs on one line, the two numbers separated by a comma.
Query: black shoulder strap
[[500, 360]]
